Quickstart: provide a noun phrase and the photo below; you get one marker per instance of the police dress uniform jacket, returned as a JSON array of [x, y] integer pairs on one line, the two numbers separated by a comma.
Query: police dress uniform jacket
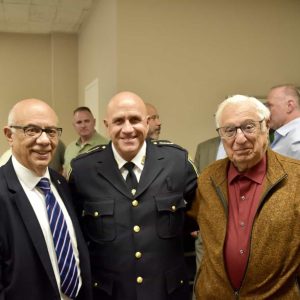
[[273, 268], [25, 268], [135, 242]]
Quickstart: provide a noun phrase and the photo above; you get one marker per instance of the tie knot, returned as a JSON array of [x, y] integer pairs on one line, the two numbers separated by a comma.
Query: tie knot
[[129, 166], [44, 185]]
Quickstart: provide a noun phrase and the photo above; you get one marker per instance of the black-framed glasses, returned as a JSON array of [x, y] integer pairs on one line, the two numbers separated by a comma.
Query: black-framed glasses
[[36, 131], [248, 127]]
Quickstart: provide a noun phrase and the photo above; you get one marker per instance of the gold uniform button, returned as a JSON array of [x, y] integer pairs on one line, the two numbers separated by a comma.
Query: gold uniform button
[[135, 203], [139, 279], [96, 284], [136, 228], [181, 281], [138, 254], [173, 208], [96, 214]]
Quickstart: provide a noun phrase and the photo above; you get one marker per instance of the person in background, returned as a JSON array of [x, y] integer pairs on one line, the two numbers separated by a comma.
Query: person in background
[[248, 208], [132, 198], [206, 153], [154, 122], [57, 162], [84, 124], [43, 254], [284, 104], [5, 157]]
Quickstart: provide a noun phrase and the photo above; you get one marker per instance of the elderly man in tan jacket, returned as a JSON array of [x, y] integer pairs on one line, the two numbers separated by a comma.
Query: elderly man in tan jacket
[[248, 209]]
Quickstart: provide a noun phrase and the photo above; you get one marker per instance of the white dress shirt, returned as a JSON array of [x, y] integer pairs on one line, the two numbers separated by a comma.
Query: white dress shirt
[[138, 160], [29, 180]]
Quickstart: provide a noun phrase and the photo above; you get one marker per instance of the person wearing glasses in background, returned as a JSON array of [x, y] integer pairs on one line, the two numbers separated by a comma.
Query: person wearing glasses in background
[[42, 251], [248, 207], [154, 122]]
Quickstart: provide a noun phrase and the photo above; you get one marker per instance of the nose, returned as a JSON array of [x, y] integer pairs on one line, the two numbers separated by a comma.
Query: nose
[[158, 122], [240, 136], [43, 139], [127, 127]]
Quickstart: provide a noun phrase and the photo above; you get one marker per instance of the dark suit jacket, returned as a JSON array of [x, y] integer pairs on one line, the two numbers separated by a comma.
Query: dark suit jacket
[[206, 153], [119, 254], [25, 267]]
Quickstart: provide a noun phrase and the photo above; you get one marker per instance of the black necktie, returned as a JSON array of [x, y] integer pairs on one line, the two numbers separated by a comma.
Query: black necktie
[[131, 180]]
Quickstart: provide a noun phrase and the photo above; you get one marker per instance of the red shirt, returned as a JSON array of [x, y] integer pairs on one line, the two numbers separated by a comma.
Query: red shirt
[[244, 190]]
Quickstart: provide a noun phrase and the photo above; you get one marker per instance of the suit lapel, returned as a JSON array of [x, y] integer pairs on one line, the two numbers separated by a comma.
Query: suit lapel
[[28, 216], [151, 169]]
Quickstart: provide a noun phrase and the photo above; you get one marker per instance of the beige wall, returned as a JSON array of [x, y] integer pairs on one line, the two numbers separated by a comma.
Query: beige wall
[[183, 56], [186, 56], [39, 66], [97, 54]]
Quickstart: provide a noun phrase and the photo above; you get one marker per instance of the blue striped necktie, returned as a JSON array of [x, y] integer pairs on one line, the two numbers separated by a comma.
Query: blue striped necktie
[[64, 251]]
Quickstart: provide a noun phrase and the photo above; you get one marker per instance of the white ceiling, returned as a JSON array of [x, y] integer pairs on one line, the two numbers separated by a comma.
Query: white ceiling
[[42, 16]]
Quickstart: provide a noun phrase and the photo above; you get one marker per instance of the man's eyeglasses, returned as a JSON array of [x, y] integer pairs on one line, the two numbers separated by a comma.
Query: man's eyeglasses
[[36, 131], [248, 127]]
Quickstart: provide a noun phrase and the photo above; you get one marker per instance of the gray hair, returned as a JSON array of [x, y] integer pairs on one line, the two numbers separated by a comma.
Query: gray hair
[[262, 111]]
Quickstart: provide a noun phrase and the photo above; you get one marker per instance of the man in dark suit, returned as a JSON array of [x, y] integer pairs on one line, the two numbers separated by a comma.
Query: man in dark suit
[[30, 267], [207, 152], [133, 218]]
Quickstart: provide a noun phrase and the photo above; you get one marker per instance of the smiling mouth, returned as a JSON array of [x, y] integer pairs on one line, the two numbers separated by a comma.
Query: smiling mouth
[[42, 153], [242, 151]]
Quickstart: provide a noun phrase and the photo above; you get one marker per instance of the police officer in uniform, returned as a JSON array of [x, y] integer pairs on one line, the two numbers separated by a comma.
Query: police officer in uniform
[[132, 195]]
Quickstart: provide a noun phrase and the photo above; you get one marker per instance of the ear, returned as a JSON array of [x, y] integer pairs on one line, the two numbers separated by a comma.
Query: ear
[[290, 106], [105, 123], [8, 134]]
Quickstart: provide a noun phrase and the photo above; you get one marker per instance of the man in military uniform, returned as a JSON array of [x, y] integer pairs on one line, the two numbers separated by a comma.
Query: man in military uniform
[[132, 195]]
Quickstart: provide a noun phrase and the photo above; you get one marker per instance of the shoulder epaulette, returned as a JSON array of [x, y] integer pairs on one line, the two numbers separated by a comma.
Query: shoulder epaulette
[[94, 149], [162, 143], [97, 148]]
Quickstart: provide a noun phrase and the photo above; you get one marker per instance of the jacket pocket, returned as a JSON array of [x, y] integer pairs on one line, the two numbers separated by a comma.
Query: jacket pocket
[[103, 283], [170, 215], [176, 279], [99, 223]]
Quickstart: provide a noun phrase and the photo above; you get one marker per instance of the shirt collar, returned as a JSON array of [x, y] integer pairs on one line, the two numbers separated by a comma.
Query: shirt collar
[[88, 142], [29, 178], [286, 128], [138, 160], [256, 173]]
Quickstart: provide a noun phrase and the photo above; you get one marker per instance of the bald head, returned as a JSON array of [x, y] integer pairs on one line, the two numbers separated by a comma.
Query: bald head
[[32, 107], [127, 123], [124, 99], [31, 145], [154, 122]]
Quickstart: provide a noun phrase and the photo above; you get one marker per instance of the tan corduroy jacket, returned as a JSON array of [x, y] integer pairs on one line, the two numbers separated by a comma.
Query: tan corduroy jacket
[[273, 268]]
